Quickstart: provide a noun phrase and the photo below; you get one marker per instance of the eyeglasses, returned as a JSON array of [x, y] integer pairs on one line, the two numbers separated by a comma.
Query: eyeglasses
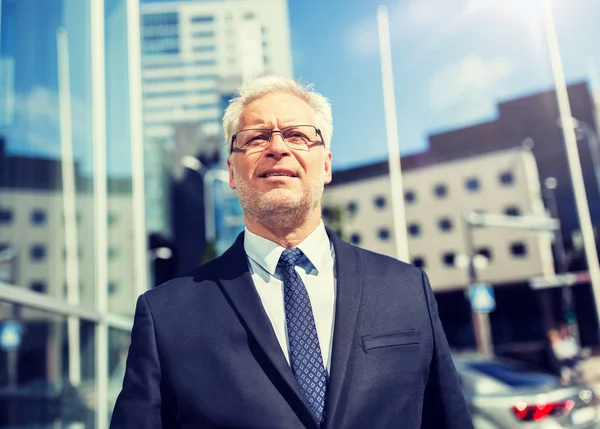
[[296, 137]]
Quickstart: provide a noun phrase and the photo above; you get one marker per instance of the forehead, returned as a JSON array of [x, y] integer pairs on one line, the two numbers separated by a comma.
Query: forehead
[[276, 110]]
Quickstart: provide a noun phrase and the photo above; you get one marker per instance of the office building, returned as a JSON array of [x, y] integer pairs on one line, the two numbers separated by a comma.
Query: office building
[[437, 200], [191, 49]]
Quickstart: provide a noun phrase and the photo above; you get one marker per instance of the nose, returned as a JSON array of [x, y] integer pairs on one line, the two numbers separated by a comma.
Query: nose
[[277, 146]]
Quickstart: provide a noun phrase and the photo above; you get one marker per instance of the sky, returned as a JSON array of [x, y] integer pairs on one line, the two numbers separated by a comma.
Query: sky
[[453, 61]]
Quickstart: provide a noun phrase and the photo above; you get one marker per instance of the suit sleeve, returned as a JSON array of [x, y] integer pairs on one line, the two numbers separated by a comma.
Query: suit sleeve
[[140, 405], [444, 405]]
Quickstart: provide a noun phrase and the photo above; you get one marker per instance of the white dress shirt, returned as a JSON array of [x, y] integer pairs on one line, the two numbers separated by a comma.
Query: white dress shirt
[[317, 271]]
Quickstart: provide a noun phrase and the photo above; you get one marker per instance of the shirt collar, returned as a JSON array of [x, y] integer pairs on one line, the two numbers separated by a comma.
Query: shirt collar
[[316, 248]]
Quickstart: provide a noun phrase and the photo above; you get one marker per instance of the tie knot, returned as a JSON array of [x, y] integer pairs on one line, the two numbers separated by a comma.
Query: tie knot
[[290, 256]]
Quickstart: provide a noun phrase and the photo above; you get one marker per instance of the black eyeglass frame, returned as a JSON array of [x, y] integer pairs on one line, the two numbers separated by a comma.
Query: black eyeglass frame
[[232, 148]]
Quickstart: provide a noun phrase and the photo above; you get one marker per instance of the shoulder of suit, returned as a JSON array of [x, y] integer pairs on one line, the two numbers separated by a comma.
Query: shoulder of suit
[[204, 273], [377, 260]]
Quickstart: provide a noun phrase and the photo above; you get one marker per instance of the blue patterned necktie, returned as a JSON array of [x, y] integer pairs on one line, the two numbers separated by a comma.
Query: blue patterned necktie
[[306, 359]]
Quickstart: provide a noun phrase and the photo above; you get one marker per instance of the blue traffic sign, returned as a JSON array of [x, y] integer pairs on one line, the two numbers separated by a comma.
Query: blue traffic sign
[[10, 335], [482, 298]]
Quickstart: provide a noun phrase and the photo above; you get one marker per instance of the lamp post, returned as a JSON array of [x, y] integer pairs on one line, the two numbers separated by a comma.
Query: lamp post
[[574, 162], [481, 320], [550, 185]]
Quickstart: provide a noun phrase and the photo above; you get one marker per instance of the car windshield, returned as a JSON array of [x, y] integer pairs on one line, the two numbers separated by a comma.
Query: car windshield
[[514, 376]]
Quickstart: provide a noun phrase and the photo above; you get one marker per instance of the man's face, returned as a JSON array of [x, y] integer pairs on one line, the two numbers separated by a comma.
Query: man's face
[[278, 179]]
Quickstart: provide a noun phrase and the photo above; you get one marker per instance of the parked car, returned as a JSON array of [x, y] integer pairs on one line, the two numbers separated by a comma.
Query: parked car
[[507, 394]]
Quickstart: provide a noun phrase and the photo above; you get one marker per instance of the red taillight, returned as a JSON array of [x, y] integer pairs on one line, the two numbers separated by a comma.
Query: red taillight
[[537, 412]]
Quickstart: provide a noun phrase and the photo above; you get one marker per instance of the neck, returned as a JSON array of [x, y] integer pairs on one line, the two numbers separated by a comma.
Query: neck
[[286, 234]]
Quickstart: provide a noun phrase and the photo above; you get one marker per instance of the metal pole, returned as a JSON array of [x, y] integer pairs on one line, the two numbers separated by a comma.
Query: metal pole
[[136, 134], [562, 266], [564, 109], [389, 100], [69, 203], [96, 20], [481, 320]]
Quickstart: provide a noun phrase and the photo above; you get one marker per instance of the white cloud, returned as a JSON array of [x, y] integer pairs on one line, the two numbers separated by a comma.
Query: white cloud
[[362, 37], [427, 20], [38, 122], [469, 87]]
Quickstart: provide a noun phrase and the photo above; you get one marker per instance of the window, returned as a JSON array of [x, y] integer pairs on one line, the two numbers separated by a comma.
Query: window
[[472, 184], [485, 251], [112, 288], [506, 178], [410, 196], [160, 19], [112, 253], [512, 211], [414, 230], [384, 234], [199, 19], [39, 286], [6, 216], [380, 202], [204, 48], [448, 259], [352, 207], [175, 94], [445, 224], [355, 239], [111, 219], [518, 249], [37, 252], [203, 34], [38, 217], [418, 262], [166, 51], [440, 191]]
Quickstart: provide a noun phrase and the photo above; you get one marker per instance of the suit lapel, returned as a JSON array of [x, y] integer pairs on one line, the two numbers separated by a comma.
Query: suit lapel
[[348, 265], [237, 284]]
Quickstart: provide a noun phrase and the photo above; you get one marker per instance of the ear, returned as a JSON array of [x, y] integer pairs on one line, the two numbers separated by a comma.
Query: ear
[[231, 175], [328, 168]]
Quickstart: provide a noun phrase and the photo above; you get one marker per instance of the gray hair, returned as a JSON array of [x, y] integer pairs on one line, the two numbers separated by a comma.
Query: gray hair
[[265, 85]]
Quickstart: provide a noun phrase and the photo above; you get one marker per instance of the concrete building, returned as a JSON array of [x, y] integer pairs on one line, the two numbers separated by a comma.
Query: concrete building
[[33, 224], [190, 49], [437, 199], [520, 315]]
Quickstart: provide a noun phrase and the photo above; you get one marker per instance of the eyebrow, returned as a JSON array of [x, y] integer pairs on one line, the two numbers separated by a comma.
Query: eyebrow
[[267, 127]]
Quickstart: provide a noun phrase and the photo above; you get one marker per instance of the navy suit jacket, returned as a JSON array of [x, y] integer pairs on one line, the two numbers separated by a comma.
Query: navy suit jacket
[[203, 353]]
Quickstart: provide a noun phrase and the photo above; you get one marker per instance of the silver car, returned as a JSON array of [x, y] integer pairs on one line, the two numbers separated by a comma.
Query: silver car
[[505, 394]]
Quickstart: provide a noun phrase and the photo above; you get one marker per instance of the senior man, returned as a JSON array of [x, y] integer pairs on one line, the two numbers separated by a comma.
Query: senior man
[[291, 327]]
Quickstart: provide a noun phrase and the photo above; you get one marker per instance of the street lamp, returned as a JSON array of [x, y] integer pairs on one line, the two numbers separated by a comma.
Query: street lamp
[[550, 185]]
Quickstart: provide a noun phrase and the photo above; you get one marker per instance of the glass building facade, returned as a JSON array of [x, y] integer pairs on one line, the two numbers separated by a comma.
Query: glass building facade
[[72, 232]]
